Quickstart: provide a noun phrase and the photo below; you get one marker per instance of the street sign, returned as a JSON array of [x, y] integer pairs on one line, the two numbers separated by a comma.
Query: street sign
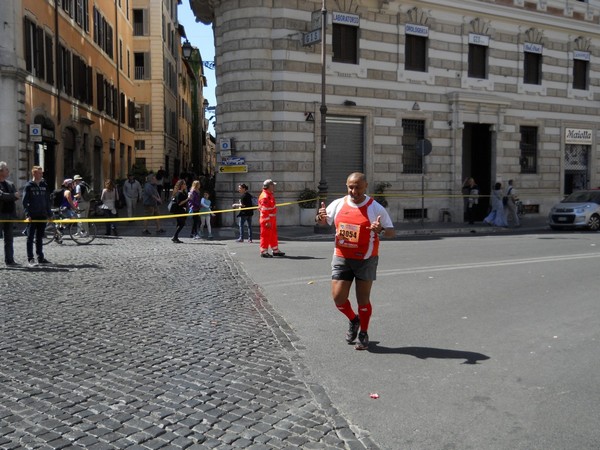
[[424, 147], [312, 37], [233, 169], [316, 19], [233, 160], [35, 133]]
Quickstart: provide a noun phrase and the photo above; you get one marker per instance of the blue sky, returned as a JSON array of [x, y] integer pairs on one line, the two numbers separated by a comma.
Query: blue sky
[[201, 36]]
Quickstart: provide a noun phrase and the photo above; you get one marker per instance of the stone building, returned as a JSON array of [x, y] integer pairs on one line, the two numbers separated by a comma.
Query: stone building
[[93, 87], [504, 89]]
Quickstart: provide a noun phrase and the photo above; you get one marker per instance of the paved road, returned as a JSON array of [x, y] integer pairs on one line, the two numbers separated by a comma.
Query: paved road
[[478, 342], [135, 342]]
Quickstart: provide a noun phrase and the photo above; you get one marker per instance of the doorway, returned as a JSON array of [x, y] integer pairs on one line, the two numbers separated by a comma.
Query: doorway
[[477, 162]]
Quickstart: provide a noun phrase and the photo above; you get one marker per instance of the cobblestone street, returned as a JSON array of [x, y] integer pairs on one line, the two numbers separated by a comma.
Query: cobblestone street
[[134, 342]]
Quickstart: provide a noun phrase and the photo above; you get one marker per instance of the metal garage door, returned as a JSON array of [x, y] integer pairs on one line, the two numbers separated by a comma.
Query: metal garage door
[[345, 151]]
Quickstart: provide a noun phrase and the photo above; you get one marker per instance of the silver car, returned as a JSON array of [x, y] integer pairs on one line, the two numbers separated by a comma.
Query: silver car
[[580, 209]]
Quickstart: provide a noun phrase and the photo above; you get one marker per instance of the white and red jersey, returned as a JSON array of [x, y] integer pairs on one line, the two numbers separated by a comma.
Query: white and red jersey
[[353, 237]]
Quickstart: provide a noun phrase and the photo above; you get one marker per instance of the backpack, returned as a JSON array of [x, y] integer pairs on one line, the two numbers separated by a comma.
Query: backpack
[[86, 192], [254, 200], [56, 197]]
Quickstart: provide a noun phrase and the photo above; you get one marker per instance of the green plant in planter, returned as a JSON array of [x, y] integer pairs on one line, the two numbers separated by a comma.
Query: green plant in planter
[[379, 191], [308, 194]]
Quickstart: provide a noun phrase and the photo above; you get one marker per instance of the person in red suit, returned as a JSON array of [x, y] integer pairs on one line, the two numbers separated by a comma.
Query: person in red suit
[[267, 209]]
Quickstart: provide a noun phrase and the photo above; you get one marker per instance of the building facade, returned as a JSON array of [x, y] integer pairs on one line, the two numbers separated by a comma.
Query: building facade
[[504, 89], [94, 87]]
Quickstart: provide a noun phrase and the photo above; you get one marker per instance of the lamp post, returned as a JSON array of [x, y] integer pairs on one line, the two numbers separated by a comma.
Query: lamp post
[[323, 110]]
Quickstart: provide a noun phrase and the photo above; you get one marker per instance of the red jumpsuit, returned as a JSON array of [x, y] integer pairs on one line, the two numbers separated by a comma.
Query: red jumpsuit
[[268, 214]]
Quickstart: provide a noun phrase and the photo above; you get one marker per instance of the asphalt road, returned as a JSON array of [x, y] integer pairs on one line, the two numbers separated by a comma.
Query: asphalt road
[[478, 342]]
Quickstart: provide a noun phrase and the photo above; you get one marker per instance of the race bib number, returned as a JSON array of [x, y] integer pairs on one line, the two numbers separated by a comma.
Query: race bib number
[[349, 232]]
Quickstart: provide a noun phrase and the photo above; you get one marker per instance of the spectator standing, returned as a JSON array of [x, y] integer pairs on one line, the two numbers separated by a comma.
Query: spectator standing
[[110, 197], [472, 191], [151, 200], [180, 199], [8, 211], [82, 202], [511, 205], [496, 217], [132, 191], [194, 198], [268, 221], [36, 203], [160, 177], [359, 220], [245, 215], [205, 207]]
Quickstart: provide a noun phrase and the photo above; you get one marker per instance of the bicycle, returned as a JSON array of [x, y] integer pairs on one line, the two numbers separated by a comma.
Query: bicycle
[[76, 230]]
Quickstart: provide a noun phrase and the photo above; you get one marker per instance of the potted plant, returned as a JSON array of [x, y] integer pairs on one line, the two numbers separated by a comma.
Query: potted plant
[[308, 206]]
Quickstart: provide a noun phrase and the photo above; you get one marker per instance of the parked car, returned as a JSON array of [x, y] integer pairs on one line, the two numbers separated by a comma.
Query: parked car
[[580, 209]]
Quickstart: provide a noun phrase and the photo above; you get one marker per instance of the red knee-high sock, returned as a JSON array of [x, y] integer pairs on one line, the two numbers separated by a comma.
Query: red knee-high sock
[[347, 310], [364, 313]]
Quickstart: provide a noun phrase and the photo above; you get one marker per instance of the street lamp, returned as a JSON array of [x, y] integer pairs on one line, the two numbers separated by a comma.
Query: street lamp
[[187, 49], [320, 229]]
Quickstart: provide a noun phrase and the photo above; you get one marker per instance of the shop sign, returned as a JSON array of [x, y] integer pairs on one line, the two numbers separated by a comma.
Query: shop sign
[[530, 47], [578, 136], [583, 56], [479, 39], [346, 19], [418, 30]]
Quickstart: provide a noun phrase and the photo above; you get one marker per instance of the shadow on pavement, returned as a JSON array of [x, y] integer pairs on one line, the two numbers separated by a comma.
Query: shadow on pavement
[[428, 352]]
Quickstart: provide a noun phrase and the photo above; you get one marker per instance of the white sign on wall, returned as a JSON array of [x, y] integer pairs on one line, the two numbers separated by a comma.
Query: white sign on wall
[[346, 19], [479, 39], [418, 30], [584, 56], [533, 48], [578, 136]]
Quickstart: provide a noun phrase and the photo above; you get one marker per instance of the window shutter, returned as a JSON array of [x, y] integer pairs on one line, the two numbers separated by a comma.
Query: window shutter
[[100, 91]]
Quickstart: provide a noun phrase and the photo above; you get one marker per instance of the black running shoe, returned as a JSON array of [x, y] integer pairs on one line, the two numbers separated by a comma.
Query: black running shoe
[[278, 254], [353, 327], [43, 261], [363, 341], [266, 255]]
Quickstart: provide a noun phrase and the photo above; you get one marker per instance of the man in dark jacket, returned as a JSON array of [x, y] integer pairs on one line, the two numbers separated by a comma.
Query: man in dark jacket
[[36, 203], [8, 211]]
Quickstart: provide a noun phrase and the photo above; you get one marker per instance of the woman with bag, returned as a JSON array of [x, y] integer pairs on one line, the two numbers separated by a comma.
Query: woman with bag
[[109, 199], [177, 206], [194, 207]]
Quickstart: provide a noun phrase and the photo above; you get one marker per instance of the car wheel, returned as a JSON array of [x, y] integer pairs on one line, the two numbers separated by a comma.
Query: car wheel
[[594, 223]]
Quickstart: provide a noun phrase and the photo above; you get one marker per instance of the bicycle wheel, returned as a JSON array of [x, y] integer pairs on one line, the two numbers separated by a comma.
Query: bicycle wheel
[[49, 233], [80, 236]]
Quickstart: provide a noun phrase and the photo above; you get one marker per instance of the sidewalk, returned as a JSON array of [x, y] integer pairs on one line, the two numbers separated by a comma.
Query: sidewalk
[[529, 224]]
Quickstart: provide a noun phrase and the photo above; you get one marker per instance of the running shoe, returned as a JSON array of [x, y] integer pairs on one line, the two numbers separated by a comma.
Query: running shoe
[[146, 232], [177, 241], [12, 264], [33, 263], [266, 255], [161, 231], [353, 327], [278, 254], [43, 261], [249, 241], [363, 341], [239, 240]]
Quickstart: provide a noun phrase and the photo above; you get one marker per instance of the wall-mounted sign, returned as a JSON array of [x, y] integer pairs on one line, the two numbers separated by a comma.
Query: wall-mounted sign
[[584, 56], [530, 47], [233, 161], [578, 136], [35, 133], [479, 39], [418, 30], [233, 169], [346, 19], [311, 38], [316, 20]]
